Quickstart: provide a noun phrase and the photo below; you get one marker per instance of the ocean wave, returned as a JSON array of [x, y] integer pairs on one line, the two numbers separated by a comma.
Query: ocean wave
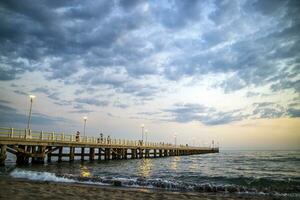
[[149, 183], [39, 176]]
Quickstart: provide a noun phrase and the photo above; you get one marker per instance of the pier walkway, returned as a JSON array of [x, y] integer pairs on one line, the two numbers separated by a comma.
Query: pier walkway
[[38, 146]]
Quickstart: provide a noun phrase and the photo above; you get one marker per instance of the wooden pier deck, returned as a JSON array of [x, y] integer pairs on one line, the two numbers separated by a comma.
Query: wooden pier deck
[[38, 146]]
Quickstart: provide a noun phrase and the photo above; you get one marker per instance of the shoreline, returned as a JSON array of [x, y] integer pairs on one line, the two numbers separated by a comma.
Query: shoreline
[[13, 188]]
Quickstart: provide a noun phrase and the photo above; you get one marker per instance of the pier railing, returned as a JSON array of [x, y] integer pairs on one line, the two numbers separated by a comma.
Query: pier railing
[[32, 135]]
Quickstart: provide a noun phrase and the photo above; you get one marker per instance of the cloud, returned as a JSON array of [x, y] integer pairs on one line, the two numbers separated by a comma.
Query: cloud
[[178, 14], [20, 92], [42, 90], [268, 110], [119, 104], [292, 112], [52, 94], [11, 116], [149, 113], [184, 113], [92, 101], [4, 101], [252, 94], [80, 108], [140, 48]]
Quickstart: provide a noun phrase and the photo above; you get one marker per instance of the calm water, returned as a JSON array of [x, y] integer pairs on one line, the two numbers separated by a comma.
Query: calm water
[[254, 172]]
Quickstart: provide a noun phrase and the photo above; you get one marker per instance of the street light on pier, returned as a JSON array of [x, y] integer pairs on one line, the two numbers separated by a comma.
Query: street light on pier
[[146, 135], [30, 110], [84, 125], [175, 139], [142, 126]]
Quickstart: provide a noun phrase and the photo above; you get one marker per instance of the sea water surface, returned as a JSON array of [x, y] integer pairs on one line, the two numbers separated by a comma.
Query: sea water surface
[[250, 172]]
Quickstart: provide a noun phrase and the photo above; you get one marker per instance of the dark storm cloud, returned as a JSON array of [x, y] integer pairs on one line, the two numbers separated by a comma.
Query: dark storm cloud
[[53, 32], [294, 112], [184, 113], [179, 14], [285, 84], [256, 59], [77, 42], [128, 5], [269, 7]]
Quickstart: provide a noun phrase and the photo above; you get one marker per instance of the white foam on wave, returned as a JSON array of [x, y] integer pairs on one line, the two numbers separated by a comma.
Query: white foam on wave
[[39, 176], [130, 182]]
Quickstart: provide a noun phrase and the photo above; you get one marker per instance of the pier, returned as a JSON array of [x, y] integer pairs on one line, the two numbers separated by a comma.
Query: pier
[[38, 146]]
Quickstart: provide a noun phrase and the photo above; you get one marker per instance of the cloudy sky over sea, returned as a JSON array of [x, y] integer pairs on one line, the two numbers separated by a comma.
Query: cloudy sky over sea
[[222, 70]]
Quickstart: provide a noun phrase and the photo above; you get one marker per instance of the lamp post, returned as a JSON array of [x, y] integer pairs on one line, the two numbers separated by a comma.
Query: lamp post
[[146, 135], [142, 126], [84, 125], [30, 109], [175, 139]]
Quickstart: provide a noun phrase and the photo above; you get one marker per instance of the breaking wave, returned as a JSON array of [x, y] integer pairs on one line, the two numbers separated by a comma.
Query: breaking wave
[[151, 183]]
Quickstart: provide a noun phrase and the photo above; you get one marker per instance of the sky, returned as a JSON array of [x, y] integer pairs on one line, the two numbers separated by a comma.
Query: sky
[[219, 70]]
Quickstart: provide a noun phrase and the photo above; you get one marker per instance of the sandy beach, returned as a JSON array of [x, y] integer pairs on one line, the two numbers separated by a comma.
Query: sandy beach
[[22, 189]]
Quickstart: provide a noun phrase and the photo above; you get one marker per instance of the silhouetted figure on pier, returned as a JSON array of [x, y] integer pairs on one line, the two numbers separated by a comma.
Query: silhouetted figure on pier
[[108, 139], [100, 140], [101, 137], [77, 136], [141, 142]]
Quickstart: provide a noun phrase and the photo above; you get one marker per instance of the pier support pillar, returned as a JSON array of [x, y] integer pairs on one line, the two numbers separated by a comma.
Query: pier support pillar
[[49, 154], [107, 154], [160, 153], [132, 151], [22, 158], [154, 153], [165, 152], [147, 153], [140, 153], [60, 151], [92, 154], [121, 154], [82, 153], [125, 153], [113, 154], [99, 153], [3, 155], [39, 156], [136, 155], [26, 156], [117, 153], [72, 152], [34, 152]]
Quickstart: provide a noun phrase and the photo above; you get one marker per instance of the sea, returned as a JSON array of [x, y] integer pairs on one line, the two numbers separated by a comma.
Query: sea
[[244, 172]]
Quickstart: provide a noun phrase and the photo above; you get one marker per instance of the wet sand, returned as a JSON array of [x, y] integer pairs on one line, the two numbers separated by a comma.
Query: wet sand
[[23, 189]]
